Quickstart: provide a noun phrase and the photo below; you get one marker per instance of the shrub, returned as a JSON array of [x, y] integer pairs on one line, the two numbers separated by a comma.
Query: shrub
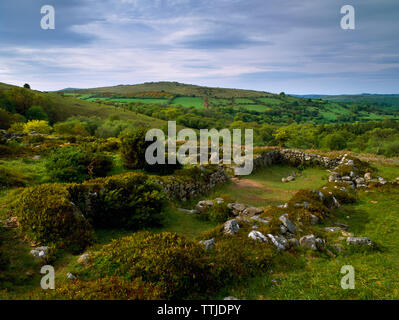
[[163, 169], [16, 127], [6, 104], [334, 141], [37, 126], [47, 216], [75, 164], [6, 119], [109, 128], [130, 201], [110, 145], [36, 113], [238, 258], [73, 128], [179, 267], [100, 164], [133, 149], [217, 213]]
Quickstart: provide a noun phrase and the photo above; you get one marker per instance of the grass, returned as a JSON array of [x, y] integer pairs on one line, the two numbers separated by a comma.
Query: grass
[[189, 102], [298, 275], [32, 171], [264, 187], [69, 106], [375, 215]]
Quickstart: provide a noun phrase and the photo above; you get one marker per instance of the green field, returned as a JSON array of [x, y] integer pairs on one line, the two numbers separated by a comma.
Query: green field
[[189, 102]]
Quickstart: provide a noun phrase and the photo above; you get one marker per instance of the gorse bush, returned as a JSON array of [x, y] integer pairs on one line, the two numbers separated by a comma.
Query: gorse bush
[[177, 266], [47, 216], [75, 164], [130, 201], [37, 126]]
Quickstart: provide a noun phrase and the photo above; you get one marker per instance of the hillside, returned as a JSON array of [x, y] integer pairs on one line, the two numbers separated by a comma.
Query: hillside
[[252, 106], [62, 107], [176, 88], [382, 100]]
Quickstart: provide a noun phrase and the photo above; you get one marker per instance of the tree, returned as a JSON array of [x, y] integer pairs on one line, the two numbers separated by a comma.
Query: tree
[[6, 104], [133, 149], [36, 113], [334, 141], [26, 86], [21, 98]]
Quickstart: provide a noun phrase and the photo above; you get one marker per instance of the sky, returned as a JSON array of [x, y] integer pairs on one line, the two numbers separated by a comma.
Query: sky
[[293, 46]]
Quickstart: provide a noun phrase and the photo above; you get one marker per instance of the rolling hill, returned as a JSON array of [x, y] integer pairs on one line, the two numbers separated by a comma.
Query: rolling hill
[[68, 106], [277, 107]]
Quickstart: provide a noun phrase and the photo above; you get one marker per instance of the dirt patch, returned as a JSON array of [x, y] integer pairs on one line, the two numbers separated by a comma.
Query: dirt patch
[[246, 183]]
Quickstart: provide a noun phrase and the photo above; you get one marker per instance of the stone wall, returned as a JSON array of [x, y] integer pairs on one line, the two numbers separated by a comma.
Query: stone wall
[[294, 158], [185, 188]]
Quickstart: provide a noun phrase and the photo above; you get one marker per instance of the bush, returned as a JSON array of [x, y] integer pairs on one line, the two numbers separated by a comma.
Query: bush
[[217, 213], [47, 216], [130, 201], [6, 119], [390, 149], [36, 113], [37, 126], [112, 129], [73, 128], [16, 127], [75, 164], [163, 169], [177, 266], [133, 149], [334, 141]]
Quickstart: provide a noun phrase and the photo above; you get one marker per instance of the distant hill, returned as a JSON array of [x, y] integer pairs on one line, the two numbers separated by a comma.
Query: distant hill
[[382, 100], [177, 89], [259, 106]]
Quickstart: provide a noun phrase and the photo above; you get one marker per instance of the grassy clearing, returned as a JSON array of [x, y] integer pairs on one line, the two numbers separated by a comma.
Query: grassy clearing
[[376, 215], [264, 187]]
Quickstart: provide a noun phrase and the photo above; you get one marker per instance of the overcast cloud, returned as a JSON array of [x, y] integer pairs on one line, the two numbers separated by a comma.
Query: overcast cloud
[[272, 45]]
